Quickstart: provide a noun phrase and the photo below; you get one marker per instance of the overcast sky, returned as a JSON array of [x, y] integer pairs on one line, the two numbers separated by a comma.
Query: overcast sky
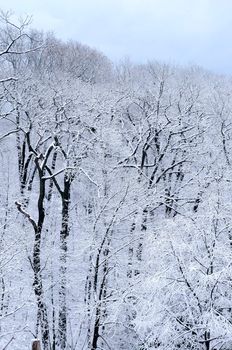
[[179, 31]]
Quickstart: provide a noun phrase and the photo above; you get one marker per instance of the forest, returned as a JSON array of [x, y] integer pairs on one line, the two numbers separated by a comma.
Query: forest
[[115, 201]]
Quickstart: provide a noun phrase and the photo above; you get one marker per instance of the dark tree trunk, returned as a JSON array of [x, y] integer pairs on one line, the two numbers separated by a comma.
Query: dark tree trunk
[[38, 286], [62, 323]]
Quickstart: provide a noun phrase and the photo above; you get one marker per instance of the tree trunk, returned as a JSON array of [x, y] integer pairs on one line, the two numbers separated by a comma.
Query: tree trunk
[[38, 285], [62, 323], [36, 345]]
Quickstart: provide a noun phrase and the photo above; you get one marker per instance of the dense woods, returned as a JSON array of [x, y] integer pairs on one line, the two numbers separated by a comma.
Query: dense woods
[[115, 217]]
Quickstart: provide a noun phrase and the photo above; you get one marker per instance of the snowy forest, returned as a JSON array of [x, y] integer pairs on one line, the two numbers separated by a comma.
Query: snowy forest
[[116, 187]]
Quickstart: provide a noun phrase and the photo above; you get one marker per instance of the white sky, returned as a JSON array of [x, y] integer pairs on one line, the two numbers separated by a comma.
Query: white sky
[[178, 31]]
